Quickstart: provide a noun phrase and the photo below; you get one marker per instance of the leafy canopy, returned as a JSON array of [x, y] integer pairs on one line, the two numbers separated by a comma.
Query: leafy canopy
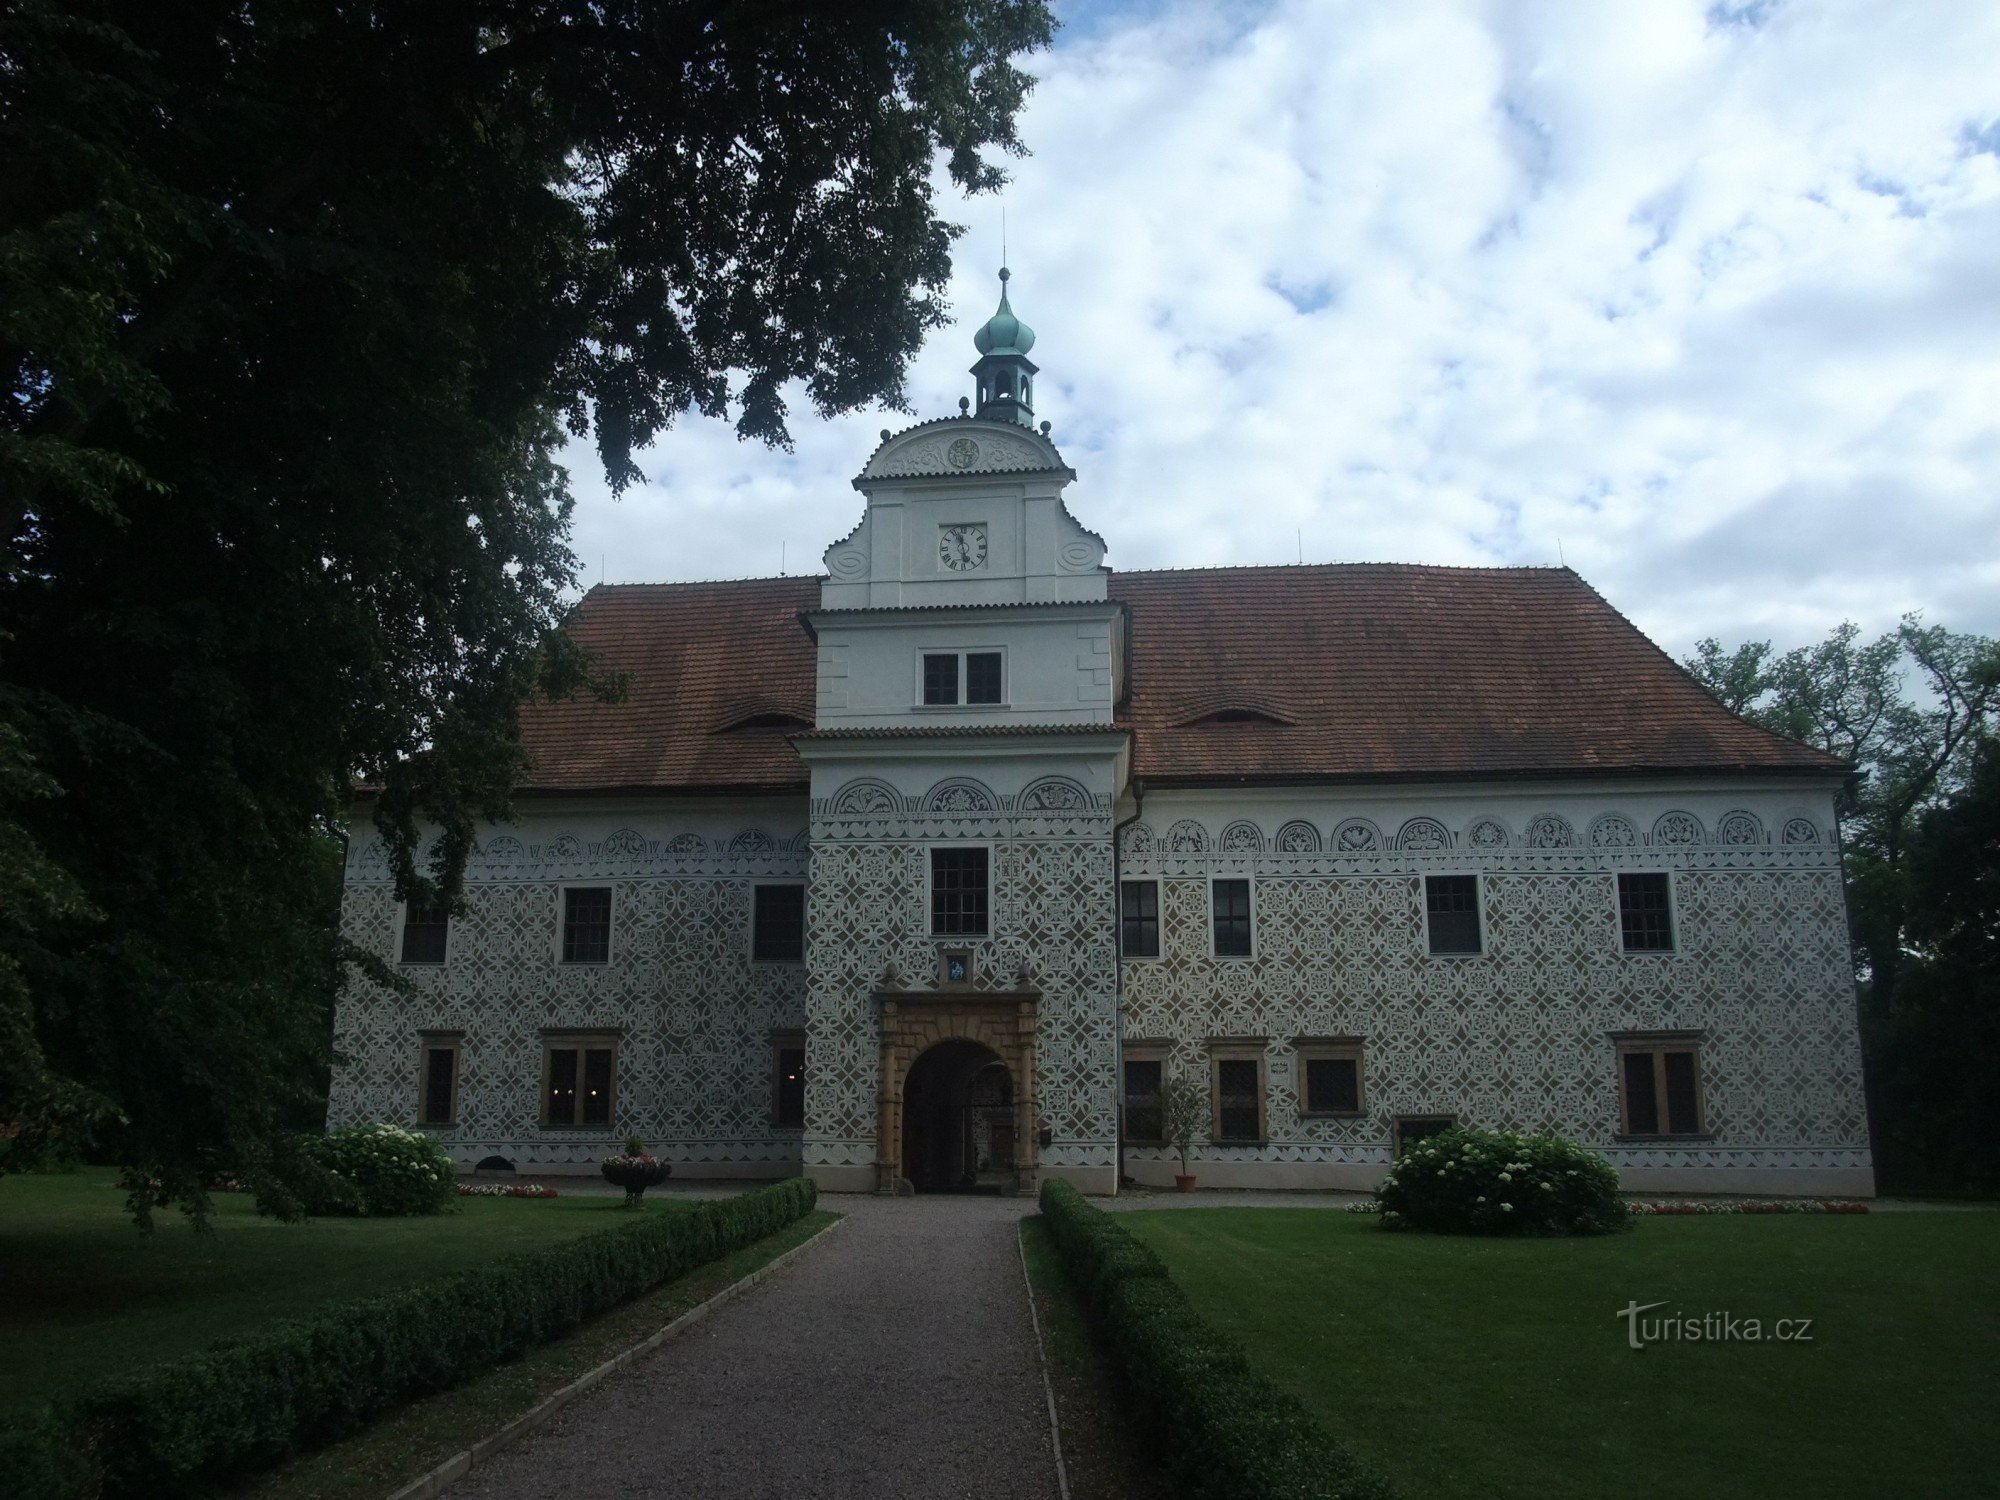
[[298, 302]]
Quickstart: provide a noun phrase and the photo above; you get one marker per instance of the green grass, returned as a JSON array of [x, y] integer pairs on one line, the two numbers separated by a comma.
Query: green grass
[[1493, 1368], [88, 1296], [408, 1443]]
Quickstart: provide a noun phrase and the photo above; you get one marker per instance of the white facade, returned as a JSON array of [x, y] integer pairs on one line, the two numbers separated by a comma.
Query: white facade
[[966, 550]]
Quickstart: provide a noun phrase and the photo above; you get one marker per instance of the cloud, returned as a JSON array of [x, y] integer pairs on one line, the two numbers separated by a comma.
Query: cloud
[[1702, 298]]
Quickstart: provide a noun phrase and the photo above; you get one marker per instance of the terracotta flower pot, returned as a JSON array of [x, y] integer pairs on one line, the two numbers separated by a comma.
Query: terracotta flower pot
[[1184, 1182]]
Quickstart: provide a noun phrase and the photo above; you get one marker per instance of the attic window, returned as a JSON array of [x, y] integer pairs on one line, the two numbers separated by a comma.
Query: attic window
[[1234, 711], [761, 711], [774, 720]]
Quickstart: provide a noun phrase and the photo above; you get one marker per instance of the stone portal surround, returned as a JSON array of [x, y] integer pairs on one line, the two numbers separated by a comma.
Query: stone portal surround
[[912, 1022]]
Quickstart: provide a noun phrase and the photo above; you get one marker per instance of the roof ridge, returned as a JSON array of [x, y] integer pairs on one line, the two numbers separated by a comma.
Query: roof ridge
[[1400, 567]]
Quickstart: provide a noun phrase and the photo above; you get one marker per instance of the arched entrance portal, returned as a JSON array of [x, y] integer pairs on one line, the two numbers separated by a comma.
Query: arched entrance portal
[[958, 1090], [958, 1121]]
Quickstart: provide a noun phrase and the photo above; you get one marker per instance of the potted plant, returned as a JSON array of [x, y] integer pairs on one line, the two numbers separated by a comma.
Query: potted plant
[[635, 1171], [1183, 1111]]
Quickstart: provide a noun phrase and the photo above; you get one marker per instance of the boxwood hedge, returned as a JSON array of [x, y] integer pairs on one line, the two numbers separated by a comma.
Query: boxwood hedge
[[186, 1426], [1224, 1430]]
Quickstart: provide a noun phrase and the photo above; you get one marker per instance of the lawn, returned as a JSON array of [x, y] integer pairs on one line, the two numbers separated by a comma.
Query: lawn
[[87, 1296], [1492, 1368]]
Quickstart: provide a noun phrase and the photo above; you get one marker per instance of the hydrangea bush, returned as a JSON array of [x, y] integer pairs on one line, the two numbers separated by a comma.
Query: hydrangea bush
[[1463, 1181], [378, 1171]]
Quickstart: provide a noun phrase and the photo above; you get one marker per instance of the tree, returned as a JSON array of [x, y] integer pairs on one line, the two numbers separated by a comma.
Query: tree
[[298, 299], [1925, 761]]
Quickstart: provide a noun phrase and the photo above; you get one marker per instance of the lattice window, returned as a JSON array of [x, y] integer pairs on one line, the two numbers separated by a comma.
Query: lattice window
[[1230, 900], [1330, 1078], [426, 933], [1239, 1100], [1452, 902], [578, 1076], [1144, 1123], [778, 924], [587, 925], [437, 1102], [1645, 913], [1139, 918], [1659, 1086], [982, 677], [959, 892], [941, 678]]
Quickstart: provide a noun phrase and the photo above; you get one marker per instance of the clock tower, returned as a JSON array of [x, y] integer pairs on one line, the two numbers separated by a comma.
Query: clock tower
[[966, 769]]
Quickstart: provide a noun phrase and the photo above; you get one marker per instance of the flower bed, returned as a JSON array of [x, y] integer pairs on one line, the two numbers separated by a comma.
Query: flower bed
[[1673, 1207], [504, 1190]]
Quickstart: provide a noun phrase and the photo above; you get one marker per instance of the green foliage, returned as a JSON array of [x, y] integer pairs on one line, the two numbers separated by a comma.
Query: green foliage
[[376, 1171], [1463, 1181], [1934, 1047], [186, 1427], [1183, 1115], [299, 301], [1913, 711], [1226, 1430]]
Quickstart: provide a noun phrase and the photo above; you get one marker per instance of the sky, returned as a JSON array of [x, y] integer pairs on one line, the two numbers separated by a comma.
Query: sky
[[1702, 300]]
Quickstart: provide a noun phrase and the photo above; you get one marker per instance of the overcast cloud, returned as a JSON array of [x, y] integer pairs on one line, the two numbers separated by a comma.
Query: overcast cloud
[[1704, 299]]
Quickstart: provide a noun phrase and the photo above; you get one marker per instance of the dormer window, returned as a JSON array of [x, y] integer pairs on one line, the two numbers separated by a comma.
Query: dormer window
[[968, 677]]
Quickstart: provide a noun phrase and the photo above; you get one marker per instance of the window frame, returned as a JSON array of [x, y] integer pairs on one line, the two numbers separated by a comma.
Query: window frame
[[581, 1041], [1158, 1054], [781, 1043], [956, 939], [610, 923], [430, 1041], [1250, 891], [1478, 912], [1658, 1044], [1673, 915], [1434, 1117], [924, 653], [757, 888], [1159, 935], [402, 934], [1239, 1050], [1311, 1049]]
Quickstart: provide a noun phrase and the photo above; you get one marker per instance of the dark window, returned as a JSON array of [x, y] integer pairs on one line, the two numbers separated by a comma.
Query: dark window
[[941, 677], [1662, 1096], [778, 926], [1143, 1122], [1333, 1085], [579, 1091], [425, 931], [1453, 902], [587, 925], [982, 677], [440, 1103], [791, 1108], [1413, 1128], [1645, 913], [1232, 917], [1139, 918], [1238, 1093], [958, 892]]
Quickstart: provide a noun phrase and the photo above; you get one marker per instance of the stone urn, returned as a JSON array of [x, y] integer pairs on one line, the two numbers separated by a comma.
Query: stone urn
[[635, 1171]]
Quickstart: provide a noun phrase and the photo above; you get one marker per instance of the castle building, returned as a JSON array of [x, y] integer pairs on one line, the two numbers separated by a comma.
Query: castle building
[[933, 872]]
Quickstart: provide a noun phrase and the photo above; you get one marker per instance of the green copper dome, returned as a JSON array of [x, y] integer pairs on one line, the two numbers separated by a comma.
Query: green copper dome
[[1004, 333]]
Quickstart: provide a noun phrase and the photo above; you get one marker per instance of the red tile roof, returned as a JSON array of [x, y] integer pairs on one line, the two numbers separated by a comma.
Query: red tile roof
[[1392, 670], [1336, 672], [697, 657]]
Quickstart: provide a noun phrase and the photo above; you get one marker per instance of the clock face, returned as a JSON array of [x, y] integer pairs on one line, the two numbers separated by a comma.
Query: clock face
[[962, 548]]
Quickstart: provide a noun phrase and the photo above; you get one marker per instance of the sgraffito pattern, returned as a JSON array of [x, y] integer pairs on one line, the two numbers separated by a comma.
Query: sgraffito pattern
[[693, 1013], [1052, 928], [1520, 1036]]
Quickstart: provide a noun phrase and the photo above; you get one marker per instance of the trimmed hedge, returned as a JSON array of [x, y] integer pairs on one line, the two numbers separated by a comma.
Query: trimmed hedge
[[184, 1427], [1226, 1431]]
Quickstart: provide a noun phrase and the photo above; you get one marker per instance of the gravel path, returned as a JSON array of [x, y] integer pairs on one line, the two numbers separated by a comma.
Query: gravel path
[[896, 1359]]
